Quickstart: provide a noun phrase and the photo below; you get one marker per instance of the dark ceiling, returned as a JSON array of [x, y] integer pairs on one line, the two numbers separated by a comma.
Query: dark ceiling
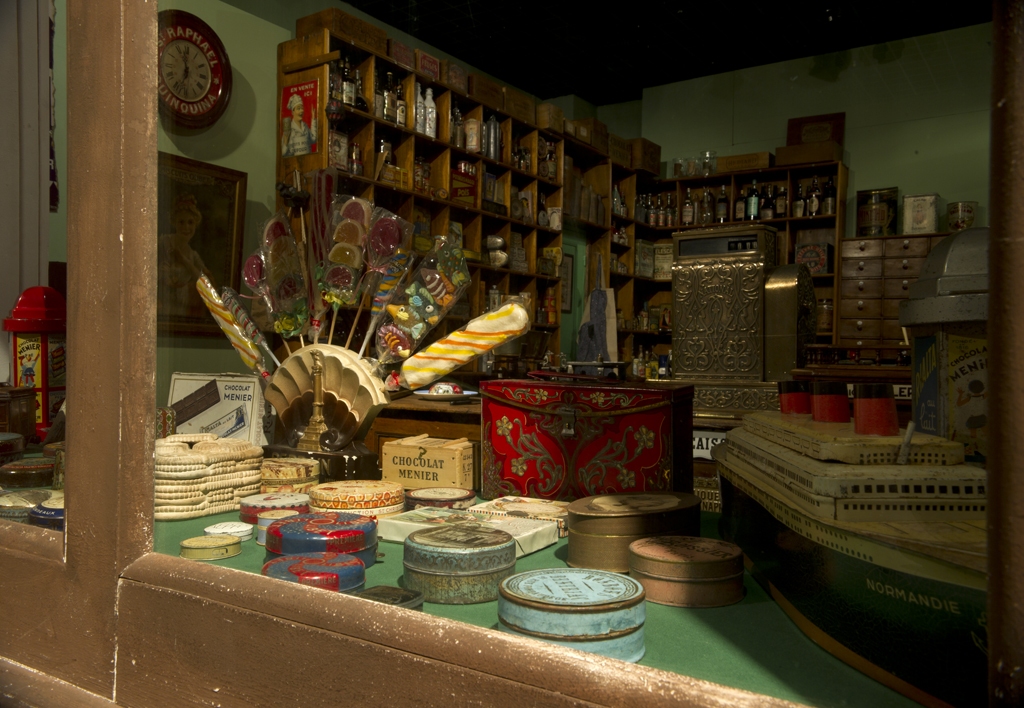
[[610, 53]]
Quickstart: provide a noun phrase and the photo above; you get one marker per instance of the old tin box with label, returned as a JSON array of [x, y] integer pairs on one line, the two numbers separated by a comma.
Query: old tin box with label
[[555, 440], [590, 610], [459, 564]]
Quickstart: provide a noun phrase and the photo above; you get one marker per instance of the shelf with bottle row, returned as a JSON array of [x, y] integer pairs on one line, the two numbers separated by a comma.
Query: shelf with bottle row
[[437, 181]]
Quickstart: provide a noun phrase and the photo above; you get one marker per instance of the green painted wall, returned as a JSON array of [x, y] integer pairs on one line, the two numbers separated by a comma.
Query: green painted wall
[[917, 112], [623, 119]]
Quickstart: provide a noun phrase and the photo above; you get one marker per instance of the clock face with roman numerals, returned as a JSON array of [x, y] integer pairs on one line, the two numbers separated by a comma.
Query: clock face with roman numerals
[[195, 74]]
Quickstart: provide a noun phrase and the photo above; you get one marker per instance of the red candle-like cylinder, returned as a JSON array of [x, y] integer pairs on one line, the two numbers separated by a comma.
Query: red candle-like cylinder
[[830, 402], [874, 410], [794, 397]]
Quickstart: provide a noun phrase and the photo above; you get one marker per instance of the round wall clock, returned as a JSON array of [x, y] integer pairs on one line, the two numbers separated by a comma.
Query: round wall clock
[[195, 73]]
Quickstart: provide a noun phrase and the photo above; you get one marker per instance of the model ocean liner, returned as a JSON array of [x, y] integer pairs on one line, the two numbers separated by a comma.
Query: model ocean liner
[[882, 564]]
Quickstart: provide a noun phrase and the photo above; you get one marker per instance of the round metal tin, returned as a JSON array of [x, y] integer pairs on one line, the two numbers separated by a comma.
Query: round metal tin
[[50, 449], [636, 513], [375, 512], [12, 447], [685, 571], [592, 610], [250, 508], [440, 498], [390, 595], [336, 532], [210, 547], [460, 564], [15, 505], [357, 494], [230, 528], [48, 513], [338, 572], [600, 551], [27, 473], [266, 518]]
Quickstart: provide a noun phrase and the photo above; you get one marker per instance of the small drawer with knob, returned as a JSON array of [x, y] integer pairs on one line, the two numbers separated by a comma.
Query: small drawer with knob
[[897, 288], [856, 328], [902, 267], [907, 247], [862, 267], [860, 307], [891, 330], [891, 309], [870, 288], [862, 248], [859, 342]]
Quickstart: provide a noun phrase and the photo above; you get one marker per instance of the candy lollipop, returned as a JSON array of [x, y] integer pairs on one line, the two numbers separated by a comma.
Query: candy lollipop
[[285, 290], [230, 299], [230, 326]]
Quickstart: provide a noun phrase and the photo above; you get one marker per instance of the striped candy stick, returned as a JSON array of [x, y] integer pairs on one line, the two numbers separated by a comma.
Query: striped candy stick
[[231, 301], [229, 325]]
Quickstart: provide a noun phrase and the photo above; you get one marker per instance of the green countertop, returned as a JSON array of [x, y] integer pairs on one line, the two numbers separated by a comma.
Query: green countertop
[[751, 645]]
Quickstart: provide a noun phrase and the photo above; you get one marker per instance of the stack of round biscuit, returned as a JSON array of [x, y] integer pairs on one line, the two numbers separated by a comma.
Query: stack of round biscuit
[[201, 475]]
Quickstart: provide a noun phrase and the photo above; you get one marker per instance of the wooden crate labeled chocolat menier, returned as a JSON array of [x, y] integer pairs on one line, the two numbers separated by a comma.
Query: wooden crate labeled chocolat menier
[[421, 461]]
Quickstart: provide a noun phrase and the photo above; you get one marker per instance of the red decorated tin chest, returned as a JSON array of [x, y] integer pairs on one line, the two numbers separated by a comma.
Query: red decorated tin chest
[[558, 440]]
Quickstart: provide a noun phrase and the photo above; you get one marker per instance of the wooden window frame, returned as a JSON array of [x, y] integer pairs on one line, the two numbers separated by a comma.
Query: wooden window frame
[[109, 620]]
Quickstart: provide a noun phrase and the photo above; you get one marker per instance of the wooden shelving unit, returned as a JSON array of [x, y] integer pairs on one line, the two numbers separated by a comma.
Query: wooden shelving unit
[[308, 57]]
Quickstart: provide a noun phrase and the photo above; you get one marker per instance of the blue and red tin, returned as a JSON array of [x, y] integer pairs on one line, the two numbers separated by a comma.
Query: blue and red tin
[[331, 531], [338, 572], [48, 514]]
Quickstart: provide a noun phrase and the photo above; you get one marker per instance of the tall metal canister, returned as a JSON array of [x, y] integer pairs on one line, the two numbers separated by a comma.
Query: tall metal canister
[[946, 315]]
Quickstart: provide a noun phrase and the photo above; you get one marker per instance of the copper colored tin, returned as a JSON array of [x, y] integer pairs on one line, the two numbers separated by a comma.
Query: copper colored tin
[[27, 473], [600, 551], [687, 571], [636, 514]]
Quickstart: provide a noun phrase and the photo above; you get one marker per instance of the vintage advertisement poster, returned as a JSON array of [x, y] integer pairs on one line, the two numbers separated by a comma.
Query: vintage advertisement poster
[[968, 395], [299, 105]]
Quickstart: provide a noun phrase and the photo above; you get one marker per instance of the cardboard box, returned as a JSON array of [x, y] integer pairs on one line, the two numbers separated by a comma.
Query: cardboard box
[[569, 128], [582, 131], [520, 106], [528, 508], [421, 461], [550, 117], [827, 151], [663, 260], [645, 155], [749, 161], [921, 213], [644, 259], [454, 76], [816, 129], [347, 26], [401, 53], [227, 405], [598, 133], [464, 188], [818, 257], [486, 92], [428, 65], [530, 534], [618, 150]]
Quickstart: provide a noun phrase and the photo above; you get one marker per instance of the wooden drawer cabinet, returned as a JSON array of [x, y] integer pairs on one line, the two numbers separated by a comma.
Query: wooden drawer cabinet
[[876, 277], [862, 288], [860, 308]]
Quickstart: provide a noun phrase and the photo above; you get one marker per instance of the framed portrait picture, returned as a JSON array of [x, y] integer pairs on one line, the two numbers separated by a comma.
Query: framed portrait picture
[[299, 106], [201, 219], [565, 272]]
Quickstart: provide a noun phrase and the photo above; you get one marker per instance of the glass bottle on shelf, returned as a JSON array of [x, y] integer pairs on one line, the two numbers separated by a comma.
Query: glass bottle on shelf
[[378, 96], [355, 159], [722, 206], [384, 151], [813, 207], [768, 202], [348, 85], [781, 203], [670, 211], [430, 121], [390, 99], [707, 207], [458, 127], [740, 207], [420, 117], [753, 203], [662, 209], [652, 211], [493, 142], [686, 218], [799, 203], [401, 108], [472, 130], [828, 199]]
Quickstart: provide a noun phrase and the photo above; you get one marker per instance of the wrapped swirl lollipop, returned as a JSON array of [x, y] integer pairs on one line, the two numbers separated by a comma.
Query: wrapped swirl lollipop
[[231, 301], [482, 334], [284, 285], [232, 329], [436, 285]]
